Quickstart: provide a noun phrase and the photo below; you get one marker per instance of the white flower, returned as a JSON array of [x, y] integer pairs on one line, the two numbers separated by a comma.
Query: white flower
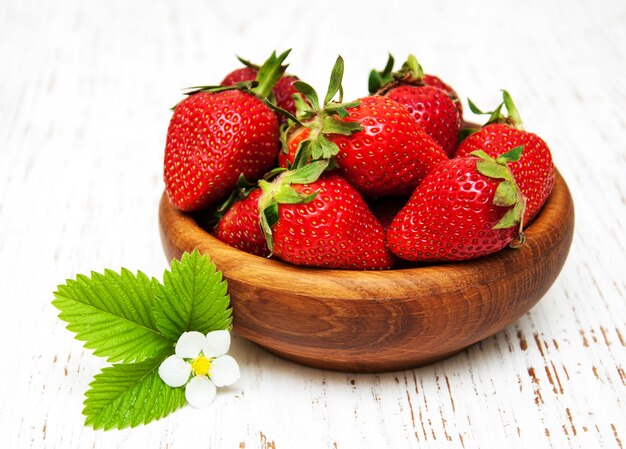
[[204, 358]]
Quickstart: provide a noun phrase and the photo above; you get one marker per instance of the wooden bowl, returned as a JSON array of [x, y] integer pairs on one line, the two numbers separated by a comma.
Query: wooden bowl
[[387, 320]]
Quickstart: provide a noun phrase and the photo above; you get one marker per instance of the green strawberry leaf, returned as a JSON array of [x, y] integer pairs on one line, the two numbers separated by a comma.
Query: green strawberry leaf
[[511, 109], [378, 79], [512, 217], [512, 155], [493, 170], [247, 63], [496, 116], [306, 174], [309, 93], [268, 218], [322, 148], [269, 73], [412, 67], [288, 195], [111, 313], [374, 81], [193, 297], [506, 194], [475, 108], [303, 110], [303, 154], [129, 395], [334, 85], [333, 125], [243, 189], [281, 111]]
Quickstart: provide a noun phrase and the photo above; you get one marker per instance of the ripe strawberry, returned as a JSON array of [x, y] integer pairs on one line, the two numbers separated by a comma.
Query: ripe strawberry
[[215, 135], [435, 81], [321, 221], [464, 208], [247, 73], [534, 172], [391, 155], [283, 89], [431, 106], [379, 79], [240, 227], [379, 148]]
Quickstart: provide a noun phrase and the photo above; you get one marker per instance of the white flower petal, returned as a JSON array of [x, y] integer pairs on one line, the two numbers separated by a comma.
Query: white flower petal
[[174, 371], [216, 343], [190, 344], [224, 371], [200, 392]]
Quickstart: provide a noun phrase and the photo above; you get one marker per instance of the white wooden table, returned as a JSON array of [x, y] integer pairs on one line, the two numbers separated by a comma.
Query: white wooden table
[[85, 89]]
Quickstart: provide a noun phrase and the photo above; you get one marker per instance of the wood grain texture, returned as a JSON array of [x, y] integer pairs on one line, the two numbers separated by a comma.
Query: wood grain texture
[[85, 91], [388, 320]]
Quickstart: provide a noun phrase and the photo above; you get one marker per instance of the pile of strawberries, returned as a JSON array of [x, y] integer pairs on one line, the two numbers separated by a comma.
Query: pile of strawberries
[[353, 185]]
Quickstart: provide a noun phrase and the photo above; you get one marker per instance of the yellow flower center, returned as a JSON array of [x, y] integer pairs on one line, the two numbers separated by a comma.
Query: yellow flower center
[[200, 365]]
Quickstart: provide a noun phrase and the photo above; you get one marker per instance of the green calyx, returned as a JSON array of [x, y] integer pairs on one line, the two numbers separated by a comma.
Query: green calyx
[[268, 75], [279, 191], [508, 193], [411, 72], [249, 64], [241, 192], [512, 118], [322, 119]]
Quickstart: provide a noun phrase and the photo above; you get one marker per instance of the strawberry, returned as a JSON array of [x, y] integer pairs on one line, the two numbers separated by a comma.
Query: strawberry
[[240, 227], [379, 79], [283, 89], [378, 146], [534, 172], [215, 135], [243, 74], [463, 209], [433, 108], [316, 220]]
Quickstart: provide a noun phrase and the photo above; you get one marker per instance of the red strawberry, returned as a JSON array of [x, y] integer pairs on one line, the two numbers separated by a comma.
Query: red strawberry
[[534, 172], [435, 81], [379, 148], [431, 106], [321, 222], [239, 226], [434, 110], [215, 135], [283, 89], [391, 155], [464, 208], [240, 75], [379, 79]]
